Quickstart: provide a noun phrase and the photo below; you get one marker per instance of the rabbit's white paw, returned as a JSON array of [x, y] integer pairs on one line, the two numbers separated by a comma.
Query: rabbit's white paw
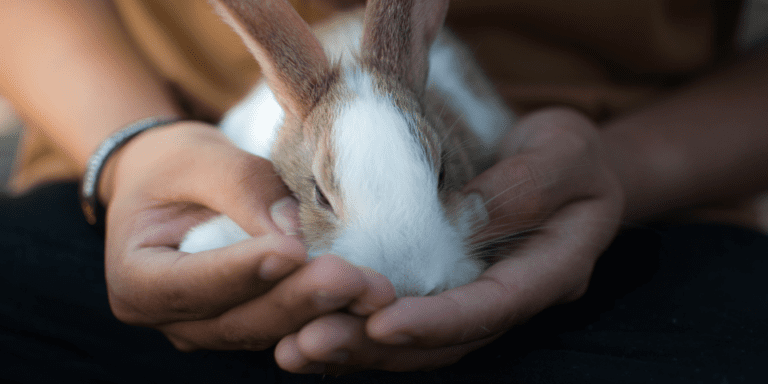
[[215, 233]]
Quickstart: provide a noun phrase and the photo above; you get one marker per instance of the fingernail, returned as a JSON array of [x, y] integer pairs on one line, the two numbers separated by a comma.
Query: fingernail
[[285, 214]]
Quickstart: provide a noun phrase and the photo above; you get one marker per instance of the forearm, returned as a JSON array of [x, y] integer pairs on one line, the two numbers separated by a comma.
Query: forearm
[[69, 70], [707, 143]]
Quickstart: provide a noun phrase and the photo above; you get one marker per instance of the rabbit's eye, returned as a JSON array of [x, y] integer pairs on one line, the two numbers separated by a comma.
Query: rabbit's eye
[[441, 177], [321, 199]]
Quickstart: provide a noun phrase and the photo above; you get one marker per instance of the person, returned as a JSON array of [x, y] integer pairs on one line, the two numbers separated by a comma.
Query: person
[[594, 149]]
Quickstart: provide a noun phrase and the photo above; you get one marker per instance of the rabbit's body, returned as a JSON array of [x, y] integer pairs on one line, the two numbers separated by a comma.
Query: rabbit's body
[[380, 178]]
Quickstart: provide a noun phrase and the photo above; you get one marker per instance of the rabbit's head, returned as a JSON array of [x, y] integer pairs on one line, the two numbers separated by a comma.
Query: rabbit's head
[[377, 175]]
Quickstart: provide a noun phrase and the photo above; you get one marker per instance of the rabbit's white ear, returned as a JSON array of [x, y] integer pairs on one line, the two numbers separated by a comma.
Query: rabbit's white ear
[[291, 58], [397, 36]]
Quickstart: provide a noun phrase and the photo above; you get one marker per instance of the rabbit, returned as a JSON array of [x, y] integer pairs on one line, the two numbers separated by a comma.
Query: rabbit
[[375, 143]]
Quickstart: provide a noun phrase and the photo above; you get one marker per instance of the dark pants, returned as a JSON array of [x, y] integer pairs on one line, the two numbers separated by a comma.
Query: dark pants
[[682, 304]]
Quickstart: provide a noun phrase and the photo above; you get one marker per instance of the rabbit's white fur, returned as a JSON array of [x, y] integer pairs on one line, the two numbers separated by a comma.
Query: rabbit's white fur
[[394, 221], [396, 212]]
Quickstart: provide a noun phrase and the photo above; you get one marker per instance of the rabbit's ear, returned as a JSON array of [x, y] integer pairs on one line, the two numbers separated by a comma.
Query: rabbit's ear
[[291, 58], [397, 36]]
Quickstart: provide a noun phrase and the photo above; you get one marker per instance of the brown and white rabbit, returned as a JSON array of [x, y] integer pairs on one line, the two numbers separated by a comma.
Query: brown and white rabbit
[[373, 148]]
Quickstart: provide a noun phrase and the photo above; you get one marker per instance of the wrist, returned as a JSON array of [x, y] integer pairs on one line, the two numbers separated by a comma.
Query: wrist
[[97, 182]]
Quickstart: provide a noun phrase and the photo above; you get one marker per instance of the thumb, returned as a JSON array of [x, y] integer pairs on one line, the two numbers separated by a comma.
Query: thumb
[[285, 214], [512, 193], [254, 196], [197, 164]]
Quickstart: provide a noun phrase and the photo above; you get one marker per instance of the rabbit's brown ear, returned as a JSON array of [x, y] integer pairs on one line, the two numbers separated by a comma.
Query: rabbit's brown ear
[[397, 36], [291, 58]]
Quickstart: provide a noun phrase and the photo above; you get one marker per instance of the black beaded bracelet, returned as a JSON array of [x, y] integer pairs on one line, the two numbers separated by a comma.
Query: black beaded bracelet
[[89, 187]]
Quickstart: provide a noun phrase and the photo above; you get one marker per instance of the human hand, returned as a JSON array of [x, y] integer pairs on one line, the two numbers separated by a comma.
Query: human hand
[[552, 178], [245, 296]]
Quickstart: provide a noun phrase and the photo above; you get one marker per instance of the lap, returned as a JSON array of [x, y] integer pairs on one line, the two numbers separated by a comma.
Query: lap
[[666, 304], [678, 304]]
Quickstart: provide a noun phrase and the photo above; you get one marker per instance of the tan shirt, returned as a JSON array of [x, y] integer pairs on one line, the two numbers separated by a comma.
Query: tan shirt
[[603, 57]]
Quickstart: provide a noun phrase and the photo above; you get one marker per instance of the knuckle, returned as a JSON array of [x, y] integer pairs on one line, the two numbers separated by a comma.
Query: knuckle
[[176, 300], [128, 310], [124, 313], [138, 299], [163, 304]]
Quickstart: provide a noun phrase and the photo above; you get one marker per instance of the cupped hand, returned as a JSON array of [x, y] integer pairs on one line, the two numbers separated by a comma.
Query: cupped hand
[[245, 296], [552, 187]]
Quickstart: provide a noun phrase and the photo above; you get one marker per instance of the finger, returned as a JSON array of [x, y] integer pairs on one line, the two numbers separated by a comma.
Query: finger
[[333, 339], [379, 293], [290, 358], [325, 285], [551, 159], [521, 191], [159, 284], [337, 343], [252, 186], [319, 343], [552, 268]]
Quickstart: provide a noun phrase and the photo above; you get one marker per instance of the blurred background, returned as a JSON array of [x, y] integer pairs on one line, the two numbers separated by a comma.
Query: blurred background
[[10, 128], [753, 31]]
